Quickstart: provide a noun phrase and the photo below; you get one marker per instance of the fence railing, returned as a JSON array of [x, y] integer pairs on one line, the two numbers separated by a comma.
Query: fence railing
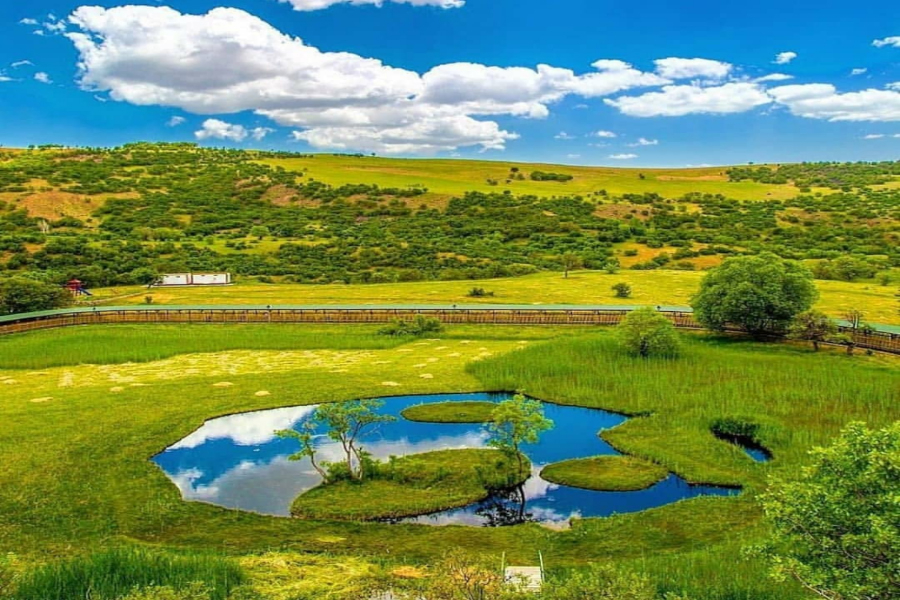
[[873, 340]]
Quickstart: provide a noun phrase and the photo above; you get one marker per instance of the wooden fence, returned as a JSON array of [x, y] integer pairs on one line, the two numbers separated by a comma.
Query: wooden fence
[[877, 340]]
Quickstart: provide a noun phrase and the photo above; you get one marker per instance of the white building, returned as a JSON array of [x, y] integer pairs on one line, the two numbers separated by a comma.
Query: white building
[[182, 279]]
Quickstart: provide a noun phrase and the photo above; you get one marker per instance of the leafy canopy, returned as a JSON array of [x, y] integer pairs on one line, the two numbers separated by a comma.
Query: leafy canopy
[[517, 421], [760, 294], [20, 294], [837, 528]]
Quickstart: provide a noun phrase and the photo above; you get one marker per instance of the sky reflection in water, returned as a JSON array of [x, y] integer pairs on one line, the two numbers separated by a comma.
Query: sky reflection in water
[[238, 462]]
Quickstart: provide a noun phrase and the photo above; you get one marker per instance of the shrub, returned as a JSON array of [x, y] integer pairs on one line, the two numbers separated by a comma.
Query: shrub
[[622, 290], [418, 327], [813, 326], [645, 332], [479, 292]]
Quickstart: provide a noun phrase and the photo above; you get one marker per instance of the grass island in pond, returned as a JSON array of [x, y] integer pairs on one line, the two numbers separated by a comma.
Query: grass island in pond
[[451, 412], [606, 473]]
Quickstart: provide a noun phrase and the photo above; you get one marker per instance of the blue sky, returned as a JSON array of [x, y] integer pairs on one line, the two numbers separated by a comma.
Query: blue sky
[[678, 83]]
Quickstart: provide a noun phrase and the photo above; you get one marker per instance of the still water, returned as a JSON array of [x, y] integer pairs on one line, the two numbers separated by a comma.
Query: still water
[[238, 462]]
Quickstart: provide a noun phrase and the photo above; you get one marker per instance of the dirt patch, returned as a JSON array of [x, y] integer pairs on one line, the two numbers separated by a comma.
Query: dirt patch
[[262, 394], [620, 211], [41, 400], [222, 384], [721, 177]]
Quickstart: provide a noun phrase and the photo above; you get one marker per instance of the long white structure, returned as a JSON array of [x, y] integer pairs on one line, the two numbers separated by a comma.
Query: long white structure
[[184, 279]]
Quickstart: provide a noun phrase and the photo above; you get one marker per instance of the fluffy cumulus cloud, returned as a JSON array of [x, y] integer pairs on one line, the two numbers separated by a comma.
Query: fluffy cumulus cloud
[[894, 86], [605, 134], [783, 58], [214, 129], [692, 68], [680, 100], [888, 42], [42, 77], [307, 5], [773, 77], [228, 61], [823, 101], [644, 142]]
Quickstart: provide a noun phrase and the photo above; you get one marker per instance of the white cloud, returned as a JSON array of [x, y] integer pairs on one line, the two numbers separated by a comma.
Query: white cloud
[[573, 156], [623, 156], [783, 58], [604, 134], [22, 63], [100, 99], [773, 77], [306, 5], [644, 142], [42, 77], [690, 68], [873, 136], [562, 135], [859, 71], [175, 121], [893, 41], [258, 133], [823, 101], [4, 77], [220, 130], [28, 22], [894, 86], [228, 61], [680, 100]]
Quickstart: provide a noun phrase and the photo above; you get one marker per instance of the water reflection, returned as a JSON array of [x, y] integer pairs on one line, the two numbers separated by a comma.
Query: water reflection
[[238, 462]]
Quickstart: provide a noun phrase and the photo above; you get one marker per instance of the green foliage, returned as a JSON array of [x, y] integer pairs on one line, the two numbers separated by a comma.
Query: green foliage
[[450, 412], [821, 174], [517, 421], [837, 527], [570, 262], [813, 326], [645, 332], [421, 326], [198, 591], [759, 294], [479, 292], [622, 290], [545, 176], [110, 574], [20, 294], [8, 574], [347, 423], [601, 581]]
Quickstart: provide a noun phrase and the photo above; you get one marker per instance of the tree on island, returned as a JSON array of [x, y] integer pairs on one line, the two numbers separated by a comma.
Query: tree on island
[[760, 294], [837, 528], [346, 423], [813, 326], [515, 422], [644, 332]]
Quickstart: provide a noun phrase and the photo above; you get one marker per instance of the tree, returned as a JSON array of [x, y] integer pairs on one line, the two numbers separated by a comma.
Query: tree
[[837, 528], [645, 332], [515, 422], [306, 437], [348, 423], [813, 326], [19, 294], [571, 262], [622, 290], [760, 294], [259, 231]]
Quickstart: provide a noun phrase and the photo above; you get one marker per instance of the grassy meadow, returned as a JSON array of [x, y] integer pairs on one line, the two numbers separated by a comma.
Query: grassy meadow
[[667, 288], [451, 177], [81, 419]]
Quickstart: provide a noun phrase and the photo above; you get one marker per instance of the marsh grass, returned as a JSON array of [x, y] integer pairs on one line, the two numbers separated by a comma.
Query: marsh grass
[[450, 412], [116, 572], [605, 473]]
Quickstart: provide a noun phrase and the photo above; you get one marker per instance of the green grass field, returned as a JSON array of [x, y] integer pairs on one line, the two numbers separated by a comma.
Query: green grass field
[[451, 412], [450, 177], [77, 438], [668, 288], [605, 473]]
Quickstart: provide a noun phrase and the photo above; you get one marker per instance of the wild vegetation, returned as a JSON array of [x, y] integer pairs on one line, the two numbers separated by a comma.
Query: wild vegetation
[[122, 216], [605, 473]]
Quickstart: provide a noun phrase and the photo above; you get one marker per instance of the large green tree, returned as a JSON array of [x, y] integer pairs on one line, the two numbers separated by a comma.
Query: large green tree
[[813, 326], [20, 294], [760, 294], [347, 423], [837, 527]]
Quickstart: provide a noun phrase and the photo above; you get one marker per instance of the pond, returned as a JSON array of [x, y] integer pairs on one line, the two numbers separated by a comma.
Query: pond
[[238, 462]]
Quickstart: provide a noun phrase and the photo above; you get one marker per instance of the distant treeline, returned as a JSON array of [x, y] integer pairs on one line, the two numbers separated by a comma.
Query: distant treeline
[[177, 207]]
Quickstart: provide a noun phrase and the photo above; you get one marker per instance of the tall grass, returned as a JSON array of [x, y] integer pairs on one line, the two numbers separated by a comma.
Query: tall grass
[[114, 573], [799, 398], [111, 344]]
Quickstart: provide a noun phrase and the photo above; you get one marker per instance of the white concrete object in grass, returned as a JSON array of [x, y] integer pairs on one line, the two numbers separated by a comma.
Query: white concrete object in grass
[[186, 279]]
